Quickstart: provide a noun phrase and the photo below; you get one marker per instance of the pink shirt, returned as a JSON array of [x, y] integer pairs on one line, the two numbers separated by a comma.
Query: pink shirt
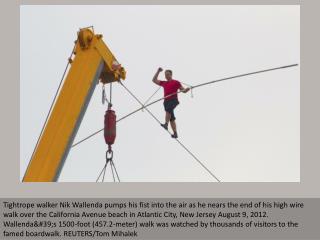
[[170, 87]]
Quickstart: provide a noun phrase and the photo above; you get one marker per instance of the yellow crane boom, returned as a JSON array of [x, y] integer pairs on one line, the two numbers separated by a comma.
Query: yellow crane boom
[[93, 61]]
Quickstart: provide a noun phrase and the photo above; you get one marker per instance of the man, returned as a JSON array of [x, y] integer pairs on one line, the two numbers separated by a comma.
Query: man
[[170, 88]]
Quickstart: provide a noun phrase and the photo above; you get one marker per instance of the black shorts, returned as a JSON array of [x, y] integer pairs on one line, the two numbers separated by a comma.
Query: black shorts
[[169, 106]]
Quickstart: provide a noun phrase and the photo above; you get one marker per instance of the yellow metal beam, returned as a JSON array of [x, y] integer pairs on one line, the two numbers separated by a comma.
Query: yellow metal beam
[[92, 61]]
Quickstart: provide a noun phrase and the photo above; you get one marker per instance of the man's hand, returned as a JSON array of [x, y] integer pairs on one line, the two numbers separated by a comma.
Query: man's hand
[[155, 77], [185, 90]]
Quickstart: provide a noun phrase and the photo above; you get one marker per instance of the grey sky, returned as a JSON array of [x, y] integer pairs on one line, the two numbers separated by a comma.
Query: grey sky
[[245, 129]]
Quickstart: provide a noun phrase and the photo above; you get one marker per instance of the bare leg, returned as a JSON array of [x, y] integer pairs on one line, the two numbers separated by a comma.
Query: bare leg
[[173, 126], [167, 119], [168, 116]]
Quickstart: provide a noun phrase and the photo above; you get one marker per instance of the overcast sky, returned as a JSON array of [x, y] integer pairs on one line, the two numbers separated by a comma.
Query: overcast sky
[[244, 130]]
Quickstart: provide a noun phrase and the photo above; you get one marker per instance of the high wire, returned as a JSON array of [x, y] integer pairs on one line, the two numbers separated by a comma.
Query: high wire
[[193, 87]]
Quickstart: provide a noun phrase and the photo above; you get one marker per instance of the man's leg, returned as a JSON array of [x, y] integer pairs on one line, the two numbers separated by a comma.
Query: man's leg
[[169, 107], [173, 125], [167, 119]]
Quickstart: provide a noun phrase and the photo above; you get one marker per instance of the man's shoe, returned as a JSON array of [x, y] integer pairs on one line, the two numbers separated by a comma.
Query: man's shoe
[[175, 135], [165, 126]]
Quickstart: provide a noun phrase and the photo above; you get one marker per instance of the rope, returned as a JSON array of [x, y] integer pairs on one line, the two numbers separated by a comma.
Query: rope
[[155, 118], [197, 160], [114, 180], [87, 137], [199, 85], [109, 158], [101, 173], [151, 96], [104, 169], [104, 97], [140, 102], [103, 94], [246, 74], [52, 104], [110, 102], [115, 170]]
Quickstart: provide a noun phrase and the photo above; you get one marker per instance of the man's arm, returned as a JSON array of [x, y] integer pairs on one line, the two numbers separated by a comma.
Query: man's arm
[[184, 90], [155, 77]]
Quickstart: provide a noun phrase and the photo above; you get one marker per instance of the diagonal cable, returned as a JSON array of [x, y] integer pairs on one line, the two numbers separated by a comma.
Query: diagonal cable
[[151, 96], [115, 169], [114, 180], [155, 118], [101, 172]]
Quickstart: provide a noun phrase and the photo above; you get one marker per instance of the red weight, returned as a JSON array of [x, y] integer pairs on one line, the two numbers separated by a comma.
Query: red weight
[[110, 127]]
